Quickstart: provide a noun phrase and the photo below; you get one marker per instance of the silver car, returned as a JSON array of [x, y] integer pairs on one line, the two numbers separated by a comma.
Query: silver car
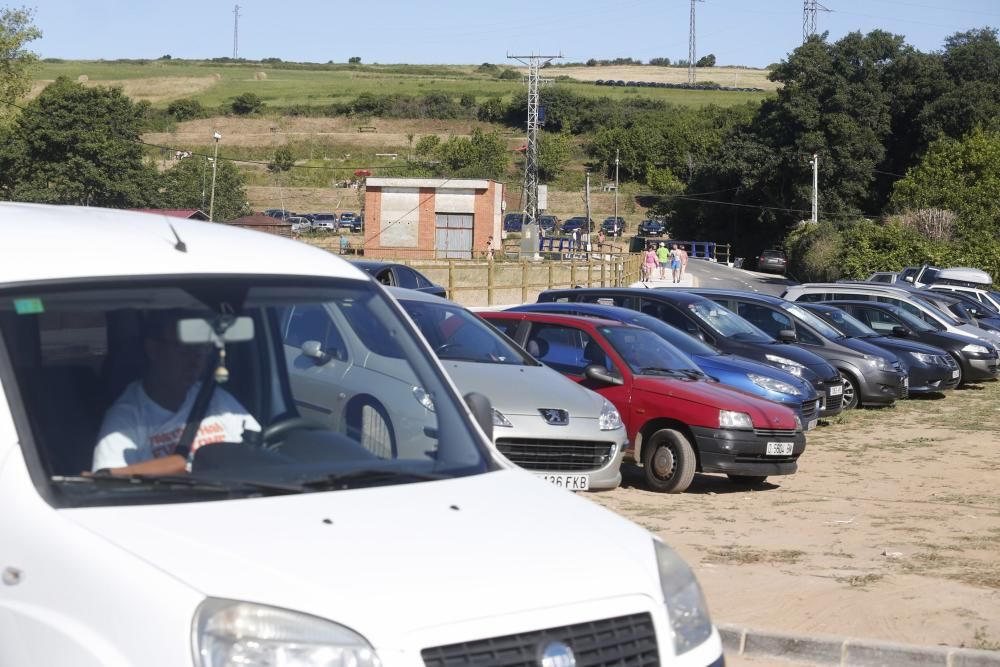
[[542, 421]]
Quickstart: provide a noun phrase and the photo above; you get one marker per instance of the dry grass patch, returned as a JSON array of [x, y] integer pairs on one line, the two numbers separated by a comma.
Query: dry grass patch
[[741, 555]]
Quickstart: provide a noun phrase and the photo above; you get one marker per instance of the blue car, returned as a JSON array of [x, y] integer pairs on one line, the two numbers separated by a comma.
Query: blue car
[[747, 375]]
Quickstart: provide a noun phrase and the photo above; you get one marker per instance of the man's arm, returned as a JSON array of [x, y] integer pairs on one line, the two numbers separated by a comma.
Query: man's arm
[[175, 464]]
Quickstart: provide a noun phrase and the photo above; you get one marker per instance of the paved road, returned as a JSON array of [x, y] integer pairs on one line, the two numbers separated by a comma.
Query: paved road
[[713, 275]]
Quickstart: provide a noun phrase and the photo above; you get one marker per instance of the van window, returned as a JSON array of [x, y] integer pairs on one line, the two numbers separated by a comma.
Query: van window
[[620, 300]]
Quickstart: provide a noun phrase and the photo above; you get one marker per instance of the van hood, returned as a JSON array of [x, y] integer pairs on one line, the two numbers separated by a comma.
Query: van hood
[[395, 560], [764, 413], [522, 390]]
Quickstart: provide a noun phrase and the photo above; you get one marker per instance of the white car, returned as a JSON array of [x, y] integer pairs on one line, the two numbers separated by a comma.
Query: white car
[[345, 542]]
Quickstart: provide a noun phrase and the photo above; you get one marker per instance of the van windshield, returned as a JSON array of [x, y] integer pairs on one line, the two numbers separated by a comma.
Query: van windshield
[[168, 391], [726, 323]]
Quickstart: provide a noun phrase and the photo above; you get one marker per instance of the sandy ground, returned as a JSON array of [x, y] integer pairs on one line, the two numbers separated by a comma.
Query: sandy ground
[[724, 76], [889, 530]]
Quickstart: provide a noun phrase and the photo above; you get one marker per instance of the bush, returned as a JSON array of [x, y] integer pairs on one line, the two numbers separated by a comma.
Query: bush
[[492, 110], [246, 104], [183, 110], [509, 75]]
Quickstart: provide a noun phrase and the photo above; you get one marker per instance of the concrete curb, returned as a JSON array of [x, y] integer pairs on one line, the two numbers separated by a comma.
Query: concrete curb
[[848, 652]]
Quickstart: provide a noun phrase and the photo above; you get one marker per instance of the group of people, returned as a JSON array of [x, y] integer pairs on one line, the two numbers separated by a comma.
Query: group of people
[[675, 257]]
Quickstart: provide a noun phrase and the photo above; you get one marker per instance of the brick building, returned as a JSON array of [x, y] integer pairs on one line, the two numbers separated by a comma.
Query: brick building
[[422, 218]]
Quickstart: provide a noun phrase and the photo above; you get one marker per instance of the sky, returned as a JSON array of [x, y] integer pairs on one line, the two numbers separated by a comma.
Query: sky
[[739, 32]]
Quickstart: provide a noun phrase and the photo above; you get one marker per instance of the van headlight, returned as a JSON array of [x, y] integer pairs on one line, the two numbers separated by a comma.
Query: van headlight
[[609, 420], [733, 419], [686, 608], [972, 348], [786, 364], [227, 632], [771, 384]]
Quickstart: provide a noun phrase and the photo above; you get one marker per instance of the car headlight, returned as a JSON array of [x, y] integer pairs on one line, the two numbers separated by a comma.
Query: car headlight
[[787, 365], [927, 359], [972, 348], [609, 419], [733, 419], [882, 364], [771, 384], [227, 632], [682, 596], [500, 419]]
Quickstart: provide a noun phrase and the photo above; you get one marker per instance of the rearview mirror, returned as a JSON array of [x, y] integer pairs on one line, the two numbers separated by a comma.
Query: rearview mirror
[[482, 410], [199, 331], [787, 336], [599, 373], [900, 332]]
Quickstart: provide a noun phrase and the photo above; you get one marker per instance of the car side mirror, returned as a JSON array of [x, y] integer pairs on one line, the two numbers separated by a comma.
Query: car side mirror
[[787, 336], [482, 410], [314, 350], [900, 332], [599, 373]]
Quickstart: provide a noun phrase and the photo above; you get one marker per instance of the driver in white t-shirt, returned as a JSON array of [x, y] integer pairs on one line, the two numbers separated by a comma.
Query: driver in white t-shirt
[[141, 430]]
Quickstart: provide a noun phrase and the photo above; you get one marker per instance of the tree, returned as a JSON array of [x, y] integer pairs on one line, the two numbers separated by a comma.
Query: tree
[[188, 109], [482, 155], [427, 145], [189, 183], [553, 155], [246, 104], [16, 62], [706, 61], [283, 160], [660, 62], [509, 74], [77, 145], [354, 60]]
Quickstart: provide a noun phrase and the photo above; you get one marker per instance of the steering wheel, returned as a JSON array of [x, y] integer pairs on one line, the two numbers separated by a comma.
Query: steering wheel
[[276, 432]]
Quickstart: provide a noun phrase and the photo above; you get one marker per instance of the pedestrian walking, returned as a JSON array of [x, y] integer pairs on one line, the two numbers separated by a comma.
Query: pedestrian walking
[[600, 237], [675, 263], [649, 263], [684, 259], [489, 249], [663, 255]]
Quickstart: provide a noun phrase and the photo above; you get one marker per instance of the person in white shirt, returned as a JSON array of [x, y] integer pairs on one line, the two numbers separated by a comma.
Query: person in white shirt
[[141, 430]]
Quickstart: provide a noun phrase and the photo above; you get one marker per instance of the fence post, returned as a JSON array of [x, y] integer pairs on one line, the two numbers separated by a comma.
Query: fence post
[[590, 272], [604, 271], [451, 279], [524, 281], [572, 272], [489, 283], [550, 274]]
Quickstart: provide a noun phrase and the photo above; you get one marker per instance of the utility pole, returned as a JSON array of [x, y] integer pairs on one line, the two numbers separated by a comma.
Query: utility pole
[[586, 201], [215, 163], [616, 189], [815, 194], [810, 8], [236, 32], [692, 51]]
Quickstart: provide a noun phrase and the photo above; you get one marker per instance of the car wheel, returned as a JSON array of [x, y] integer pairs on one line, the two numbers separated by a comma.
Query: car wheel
[[851, 393], [668, 461], [961, 373], [747, 480]]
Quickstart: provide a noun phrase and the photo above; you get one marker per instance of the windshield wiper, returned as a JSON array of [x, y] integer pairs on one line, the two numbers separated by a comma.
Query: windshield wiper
[[652, 370], [179, 482], [369, 477]]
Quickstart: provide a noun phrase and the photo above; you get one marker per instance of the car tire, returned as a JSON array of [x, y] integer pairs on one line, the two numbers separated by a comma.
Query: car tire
[[747, 480], [961, 373], [852, 393], [668, 461]]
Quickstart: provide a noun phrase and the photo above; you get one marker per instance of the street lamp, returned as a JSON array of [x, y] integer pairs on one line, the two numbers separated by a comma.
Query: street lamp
[[215, 161]]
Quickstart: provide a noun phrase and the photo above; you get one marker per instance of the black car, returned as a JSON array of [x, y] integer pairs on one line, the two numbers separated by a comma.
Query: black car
[[651, 228], [513, 222], [548, 223], [577, 222], [930, 368], [772, 261], [975, 362], [719, 327], [613, 226], [871, 376], [400, 275]]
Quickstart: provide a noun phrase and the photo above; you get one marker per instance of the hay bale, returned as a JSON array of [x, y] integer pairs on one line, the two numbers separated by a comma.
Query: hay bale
[[216, 76], [83, 78], [259, 76]]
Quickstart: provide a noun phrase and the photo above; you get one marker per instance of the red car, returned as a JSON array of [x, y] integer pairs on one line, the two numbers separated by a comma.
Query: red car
[[679, 421]]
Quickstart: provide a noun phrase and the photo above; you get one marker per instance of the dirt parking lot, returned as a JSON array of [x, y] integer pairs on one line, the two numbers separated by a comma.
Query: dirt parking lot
[[889, 530]]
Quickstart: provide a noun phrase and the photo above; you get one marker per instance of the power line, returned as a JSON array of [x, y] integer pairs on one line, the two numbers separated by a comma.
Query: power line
[[810, 8]]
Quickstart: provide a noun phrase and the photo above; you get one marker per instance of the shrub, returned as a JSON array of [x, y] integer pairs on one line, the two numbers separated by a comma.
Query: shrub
[[183, 110], [246, 104]]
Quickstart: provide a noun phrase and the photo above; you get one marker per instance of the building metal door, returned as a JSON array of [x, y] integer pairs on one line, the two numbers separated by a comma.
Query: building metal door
[[453, 236]]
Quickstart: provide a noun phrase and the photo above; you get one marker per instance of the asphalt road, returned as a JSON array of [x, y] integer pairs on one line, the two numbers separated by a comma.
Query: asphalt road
[[719, 276]]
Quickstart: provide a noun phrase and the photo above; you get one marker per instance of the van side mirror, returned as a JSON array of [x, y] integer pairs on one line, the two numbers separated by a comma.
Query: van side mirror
[[900, 332], [314, 350], [482, 410], [599, 373], [787, 336]]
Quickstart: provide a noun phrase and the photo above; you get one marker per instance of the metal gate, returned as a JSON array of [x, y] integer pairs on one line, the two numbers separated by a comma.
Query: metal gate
[[453, 236]]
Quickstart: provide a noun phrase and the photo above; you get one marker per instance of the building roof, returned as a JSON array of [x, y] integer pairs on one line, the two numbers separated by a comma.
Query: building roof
[[188, 213], [448, 183], [44, 243], [258, 220]]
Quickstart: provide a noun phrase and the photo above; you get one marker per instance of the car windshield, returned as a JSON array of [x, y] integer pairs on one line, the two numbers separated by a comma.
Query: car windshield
[[849, 324], [456, 334], [213, 388], [813, 321], [646, 353], [947, 318], [909, 319], [726, 323]]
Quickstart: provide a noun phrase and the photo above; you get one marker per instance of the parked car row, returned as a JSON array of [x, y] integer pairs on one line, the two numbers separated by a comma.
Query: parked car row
[[613, 226], [318, 221], [683, 86]]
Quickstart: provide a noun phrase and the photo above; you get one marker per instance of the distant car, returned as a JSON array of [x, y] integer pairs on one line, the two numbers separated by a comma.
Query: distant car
[[613, 226], [577, 222], [888, 277], [651, 228], [299, 223], [358, 225], [275, 213], [326, 221], [772, 261], [346, 220], [548, 223], [513, 222], [399, 275]]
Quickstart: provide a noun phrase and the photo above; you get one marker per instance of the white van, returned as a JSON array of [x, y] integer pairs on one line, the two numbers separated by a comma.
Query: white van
[[164, 503]]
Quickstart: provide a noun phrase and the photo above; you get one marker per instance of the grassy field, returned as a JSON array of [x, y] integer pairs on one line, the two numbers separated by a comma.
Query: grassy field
[[281, 86]]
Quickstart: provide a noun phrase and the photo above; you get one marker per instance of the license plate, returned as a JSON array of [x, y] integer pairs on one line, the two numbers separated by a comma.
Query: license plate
[[571, 482], [780, 448], [811, 424], [955, 374], [836, 391]]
